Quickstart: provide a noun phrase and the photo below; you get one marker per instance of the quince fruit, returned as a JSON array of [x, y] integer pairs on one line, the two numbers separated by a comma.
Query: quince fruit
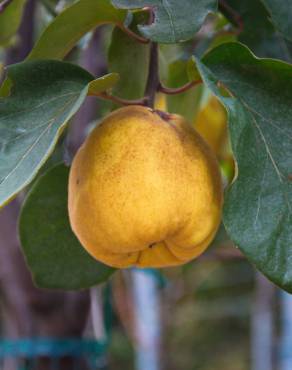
[[144, 190]]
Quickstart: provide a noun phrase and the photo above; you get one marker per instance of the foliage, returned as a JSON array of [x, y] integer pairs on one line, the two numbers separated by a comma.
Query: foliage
[[43, 93], [36, 120], [173, 21], [259, 121], [10, 21], [69, 26], [123, 48], [45, 208], [266, 41]]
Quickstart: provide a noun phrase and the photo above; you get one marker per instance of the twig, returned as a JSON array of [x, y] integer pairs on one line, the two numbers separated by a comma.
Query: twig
[[4, 5], [134, 35], [153, 76], [178, 90], [122, 101], [235, 16]]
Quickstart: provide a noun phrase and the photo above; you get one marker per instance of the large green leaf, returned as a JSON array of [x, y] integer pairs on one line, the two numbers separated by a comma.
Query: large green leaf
[[258, 206], [131, 60], [10, 20], [45, 95], [53, 253], [258, 32], [174, 21], [281, 13], [73, 23]]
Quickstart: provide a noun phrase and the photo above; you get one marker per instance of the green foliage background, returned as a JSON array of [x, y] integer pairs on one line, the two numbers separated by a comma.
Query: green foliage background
[[218, 42]]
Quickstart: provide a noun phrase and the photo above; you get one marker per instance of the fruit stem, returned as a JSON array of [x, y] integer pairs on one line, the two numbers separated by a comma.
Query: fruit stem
[[164, 115], [122, 101], [178, 90], [153, 75]]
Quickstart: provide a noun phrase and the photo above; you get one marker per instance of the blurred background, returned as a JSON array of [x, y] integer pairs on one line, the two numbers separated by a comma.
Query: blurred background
[[214, 313]]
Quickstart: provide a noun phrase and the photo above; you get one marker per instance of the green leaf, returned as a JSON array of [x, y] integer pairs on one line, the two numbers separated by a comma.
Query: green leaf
[[175, 21], [281, 13], [103, 83], [44, 97], [258, 33], [258, 206], [73, 23], [192, 71], [131, 60], [10, 20], [187, 103], [53, 253]]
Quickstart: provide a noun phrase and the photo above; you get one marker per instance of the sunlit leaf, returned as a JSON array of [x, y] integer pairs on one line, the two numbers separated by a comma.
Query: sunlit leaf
[[10, 20], [103, 83], [73, 23]]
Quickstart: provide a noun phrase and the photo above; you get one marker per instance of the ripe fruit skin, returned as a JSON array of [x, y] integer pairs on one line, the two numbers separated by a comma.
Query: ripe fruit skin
[[144, 191]]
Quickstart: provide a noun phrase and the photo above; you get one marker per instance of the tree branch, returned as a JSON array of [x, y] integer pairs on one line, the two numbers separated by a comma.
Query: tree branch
[[153, 76], [134, 35], [122, 101]]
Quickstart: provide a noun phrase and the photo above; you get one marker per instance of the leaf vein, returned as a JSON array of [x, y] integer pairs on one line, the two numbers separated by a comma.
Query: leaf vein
[[167, 8], [25, 154], [31, 109]]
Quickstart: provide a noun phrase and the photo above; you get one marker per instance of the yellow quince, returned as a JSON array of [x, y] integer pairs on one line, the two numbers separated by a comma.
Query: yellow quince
[[144, 190]]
